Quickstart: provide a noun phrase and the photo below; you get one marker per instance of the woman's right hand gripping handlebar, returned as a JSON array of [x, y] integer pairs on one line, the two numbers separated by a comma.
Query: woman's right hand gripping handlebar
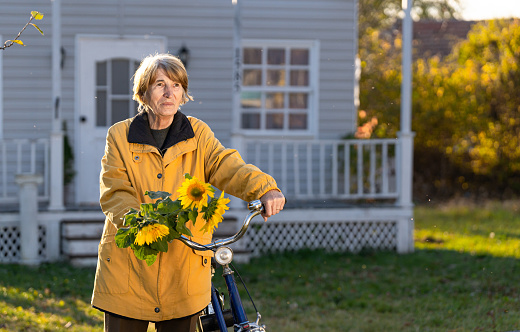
[[273, 202]]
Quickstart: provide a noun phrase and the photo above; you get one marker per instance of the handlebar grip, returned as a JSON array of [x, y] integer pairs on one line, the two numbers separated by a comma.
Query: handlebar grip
[[255, 205], [258, 206]]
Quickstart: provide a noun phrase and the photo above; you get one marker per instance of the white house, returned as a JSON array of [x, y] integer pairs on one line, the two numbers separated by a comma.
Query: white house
[[274, 79]]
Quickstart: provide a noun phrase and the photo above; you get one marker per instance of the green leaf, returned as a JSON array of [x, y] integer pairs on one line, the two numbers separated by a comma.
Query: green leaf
[[161, 245], [157, 194], [37, 16], [122, 236], [161, 218], [155, 216], [150, 259], [147, 208], [145, 254], [16, 41], [141, 252], [130, 219], [171, 220], [37, 28], [188, 176], [182, 217], [168, 206], [181, 226], [130, 239], [192, 215], [172, 235]]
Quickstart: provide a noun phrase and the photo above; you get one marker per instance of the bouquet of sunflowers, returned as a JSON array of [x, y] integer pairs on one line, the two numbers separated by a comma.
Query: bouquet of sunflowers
[[148, 231]]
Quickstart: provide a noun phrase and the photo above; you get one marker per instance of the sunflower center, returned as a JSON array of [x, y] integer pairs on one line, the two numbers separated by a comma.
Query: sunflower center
[[195, 192]]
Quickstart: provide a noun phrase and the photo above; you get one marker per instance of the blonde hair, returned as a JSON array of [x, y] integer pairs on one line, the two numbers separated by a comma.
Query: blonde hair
[[146, 74]]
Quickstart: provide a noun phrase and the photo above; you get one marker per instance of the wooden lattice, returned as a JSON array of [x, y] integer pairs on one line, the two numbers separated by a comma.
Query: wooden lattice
[[10, 244], [331, 236]]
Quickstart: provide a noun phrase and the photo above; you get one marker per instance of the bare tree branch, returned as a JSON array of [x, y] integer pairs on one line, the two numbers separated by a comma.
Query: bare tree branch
[[34, 16]]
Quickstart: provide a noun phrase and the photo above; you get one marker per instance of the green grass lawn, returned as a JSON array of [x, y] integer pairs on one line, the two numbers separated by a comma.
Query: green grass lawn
[[463, 276]]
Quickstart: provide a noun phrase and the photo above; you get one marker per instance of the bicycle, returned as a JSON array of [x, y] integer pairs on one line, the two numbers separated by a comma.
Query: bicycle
[[215, 317]]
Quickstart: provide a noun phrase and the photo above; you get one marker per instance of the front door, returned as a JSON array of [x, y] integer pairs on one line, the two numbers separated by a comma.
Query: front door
[[104, 85]]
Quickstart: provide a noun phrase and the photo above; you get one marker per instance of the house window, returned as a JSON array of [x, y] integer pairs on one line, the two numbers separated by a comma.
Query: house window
[[114, 91], [278, 87]]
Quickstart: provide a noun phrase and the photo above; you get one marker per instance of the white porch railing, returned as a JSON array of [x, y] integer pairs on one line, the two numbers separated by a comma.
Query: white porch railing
[[328, 169], [322, 173], [23, 156]]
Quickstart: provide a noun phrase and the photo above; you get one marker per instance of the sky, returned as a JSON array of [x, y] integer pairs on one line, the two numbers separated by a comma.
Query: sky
[[489, 9]]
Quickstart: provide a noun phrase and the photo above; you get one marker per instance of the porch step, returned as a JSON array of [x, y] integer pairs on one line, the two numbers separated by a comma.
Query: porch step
[[80, 240]]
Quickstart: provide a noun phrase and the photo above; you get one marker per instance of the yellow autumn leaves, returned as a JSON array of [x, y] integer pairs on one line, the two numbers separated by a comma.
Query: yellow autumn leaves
[[35, 15]]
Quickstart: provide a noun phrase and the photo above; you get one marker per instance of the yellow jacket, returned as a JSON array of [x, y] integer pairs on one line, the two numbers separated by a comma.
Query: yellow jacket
[[178, 283]]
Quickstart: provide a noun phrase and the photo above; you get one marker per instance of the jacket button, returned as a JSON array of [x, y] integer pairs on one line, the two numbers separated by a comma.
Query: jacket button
[[108, 259], [136, 158], [205, 261], [157, 310], [159, 175]]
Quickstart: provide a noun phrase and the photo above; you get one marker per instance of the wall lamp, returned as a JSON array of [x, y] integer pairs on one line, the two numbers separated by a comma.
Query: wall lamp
[[184, 55]]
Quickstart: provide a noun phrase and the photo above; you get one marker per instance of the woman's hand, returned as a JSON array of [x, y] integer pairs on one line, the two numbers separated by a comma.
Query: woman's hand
[[273, 202]]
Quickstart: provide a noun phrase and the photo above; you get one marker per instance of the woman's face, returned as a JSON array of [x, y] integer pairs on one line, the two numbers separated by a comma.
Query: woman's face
[[164, 95]]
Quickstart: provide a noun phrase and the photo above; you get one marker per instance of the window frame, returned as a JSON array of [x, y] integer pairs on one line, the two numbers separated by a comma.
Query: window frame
[[110, 95], [312, 89]]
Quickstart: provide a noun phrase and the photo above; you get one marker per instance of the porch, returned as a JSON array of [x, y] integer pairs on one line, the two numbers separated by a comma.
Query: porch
[[343, 195]]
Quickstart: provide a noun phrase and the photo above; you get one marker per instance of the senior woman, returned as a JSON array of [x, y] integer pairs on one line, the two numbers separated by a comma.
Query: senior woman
[[153, 151]]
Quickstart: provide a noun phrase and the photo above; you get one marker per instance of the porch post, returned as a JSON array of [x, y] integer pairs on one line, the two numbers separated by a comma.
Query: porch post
[[56, 157], [56, 172], [28, 196], [236, 137], [406, 135], [237, 142], [405, 225]]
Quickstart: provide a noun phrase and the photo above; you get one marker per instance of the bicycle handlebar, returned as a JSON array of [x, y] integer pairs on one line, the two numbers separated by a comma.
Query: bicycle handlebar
[[255, 208]]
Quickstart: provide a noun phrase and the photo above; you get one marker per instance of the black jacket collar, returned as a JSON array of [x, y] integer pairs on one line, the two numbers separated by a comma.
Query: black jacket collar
[[180, 130]]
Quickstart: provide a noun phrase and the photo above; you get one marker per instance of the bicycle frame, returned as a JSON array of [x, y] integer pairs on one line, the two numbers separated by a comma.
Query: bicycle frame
[[220, 319]]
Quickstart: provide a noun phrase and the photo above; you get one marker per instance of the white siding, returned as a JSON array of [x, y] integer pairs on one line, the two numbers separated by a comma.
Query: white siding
[[333, 22], [26, 71], [204, 26]]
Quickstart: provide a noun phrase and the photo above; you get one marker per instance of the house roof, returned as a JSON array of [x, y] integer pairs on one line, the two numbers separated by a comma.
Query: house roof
[[438, 38]]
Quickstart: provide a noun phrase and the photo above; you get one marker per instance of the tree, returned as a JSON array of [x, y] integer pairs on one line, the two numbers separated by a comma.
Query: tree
[[34, 16], [380, 54], [380, 15], [466, 110], [473, 96]]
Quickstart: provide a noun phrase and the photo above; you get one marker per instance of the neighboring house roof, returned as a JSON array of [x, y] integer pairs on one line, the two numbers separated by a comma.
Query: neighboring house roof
[[438, 38]]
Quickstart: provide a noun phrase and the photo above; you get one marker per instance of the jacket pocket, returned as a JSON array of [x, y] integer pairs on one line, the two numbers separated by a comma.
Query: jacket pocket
[[113, 269], [199, 279]]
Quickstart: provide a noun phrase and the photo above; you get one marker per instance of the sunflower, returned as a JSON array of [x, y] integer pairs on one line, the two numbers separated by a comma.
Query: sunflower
[[212, 223], [194, 192], [214, 212], [151, 233], [221, 205]]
